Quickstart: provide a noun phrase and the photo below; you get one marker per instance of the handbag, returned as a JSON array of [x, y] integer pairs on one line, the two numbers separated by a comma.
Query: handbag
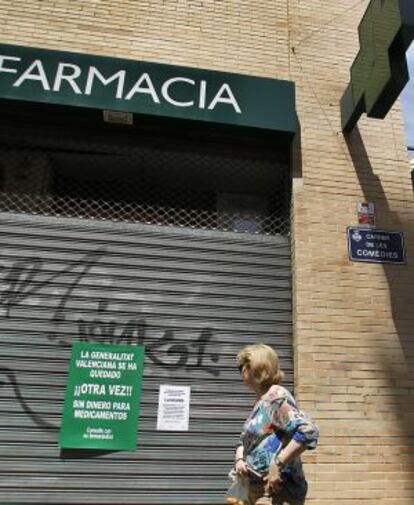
[[238, 491]]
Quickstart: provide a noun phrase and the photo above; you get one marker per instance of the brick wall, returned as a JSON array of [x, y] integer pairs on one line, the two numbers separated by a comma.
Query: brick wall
[[224, 35], [354, 343], [353, 322]]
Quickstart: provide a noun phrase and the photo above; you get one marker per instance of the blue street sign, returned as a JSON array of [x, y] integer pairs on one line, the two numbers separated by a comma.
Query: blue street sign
[[376, 246]]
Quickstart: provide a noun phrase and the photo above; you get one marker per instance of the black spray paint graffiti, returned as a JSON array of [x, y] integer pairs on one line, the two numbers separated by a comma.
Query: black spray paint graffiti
[[23, 279], [28, 277], [135, 331]]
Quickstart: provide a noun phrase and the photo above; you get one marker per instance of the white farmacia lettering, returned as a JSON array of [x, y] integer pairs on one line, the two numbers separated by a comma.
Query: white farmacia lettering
[[221, 98], [203, 93], [5, 69], [70, 78], [84, 81], [35, 72], [94, 73], [143, 85], [166, 89]]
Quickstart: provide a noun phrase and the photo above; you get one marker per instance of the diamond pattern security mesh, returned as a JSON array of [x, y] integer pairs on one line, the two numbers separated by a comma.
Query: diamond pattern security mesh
[[204, 189]]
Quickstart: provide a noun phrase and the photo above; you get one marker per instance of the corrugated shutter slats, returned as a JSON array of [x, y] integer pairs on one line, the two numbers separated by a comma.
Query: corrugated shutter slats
[[62, 280]]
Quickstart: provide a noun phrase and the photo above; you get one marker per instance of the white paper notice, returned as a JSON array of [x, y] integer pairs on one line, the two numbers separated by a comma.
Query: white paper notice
[[173, 408]]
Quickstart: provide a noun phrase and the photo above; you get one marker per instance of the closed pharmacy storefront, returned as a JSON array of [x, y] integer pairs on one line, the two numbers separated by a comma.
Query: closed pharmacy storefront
[[152, 233], [192, 176]]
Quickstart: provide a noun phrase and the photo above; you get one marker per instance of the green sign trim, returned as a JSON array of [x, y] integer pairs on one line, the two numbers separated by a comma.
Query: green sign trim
[[40, 75], [379, 72], [102, 400]]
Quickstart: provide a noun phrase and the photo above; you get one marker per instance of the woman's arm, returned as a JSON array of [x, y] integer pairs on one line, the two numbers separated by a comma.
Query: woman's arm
[[292, 451], [290, 420], [239, 463]]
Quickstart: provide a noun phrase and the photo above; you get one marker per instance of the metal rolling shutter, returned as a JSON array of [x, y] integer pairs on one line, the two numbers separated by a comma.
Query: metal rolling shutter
[[193, 297]]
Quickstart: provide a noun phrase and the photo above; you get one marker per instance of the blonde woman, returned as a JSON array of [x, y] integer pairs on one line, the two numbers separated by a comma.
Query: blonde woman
[[274, 435]]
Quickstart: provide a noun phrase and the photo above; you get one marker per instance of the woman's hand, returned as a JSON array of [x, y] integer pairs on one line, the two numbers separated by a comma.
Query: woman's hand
[[273, 479], [241, 467]]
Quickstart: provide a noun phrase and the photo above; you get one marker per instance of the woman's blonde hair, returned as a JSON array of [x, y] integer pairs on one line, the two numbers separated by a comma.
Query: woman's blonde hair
[[263, 362]]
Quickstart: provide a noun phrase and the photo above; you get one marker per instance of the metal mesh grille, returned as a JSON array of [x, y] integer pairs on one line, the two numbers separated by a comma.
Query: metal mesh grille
[[171, 187]]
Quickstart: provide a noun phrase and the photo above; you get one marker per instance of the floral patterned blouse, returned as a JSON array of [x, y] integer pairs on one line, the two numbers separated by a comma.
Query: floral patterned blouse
[[273, 422]]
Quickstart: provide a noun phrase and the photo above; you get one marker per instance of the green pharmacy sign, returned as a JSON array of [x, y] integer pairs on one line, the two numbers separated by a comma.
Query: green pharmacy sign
[[102, 401], [379, 72], [153, 89]]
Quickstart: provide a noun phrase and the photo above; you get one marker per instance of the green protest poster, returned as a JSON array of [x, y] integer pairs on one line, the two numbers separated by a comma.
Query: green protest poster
[[102, 399]]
